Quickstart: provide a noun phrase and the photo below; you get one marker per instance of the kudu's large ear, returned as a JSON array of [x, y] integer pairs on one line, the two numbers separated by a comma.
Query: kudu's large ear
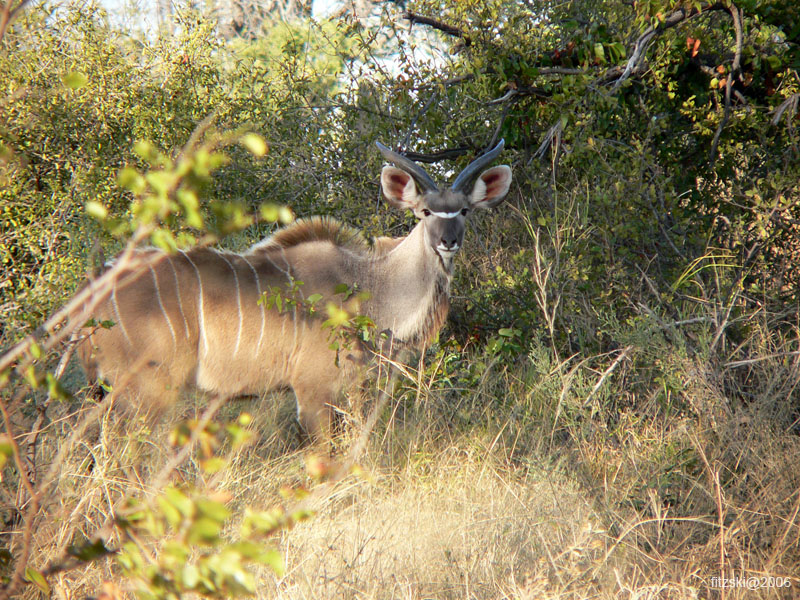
[[491, 187], [399, 188]]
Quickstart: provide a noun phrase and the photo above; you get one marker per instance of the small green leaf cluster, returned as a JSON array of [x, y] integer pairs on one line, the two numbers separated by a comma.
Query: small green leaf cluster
[[345, 323], [195, 558], [193, 553]]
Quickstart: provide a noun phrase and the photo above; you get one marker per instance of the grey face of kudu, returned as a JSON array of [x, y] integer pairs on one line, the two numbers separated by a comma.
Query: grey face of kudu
[[443, 213]]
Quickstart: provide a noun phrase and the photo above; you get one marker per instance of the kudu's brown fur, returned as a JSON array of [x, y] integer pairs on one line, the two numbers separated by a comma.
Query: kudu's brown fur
[[193, 318]]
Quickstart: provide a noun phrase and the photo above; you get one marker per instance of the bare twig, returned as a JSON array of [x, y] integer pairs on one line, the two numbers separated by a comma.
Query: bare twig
[[509, 95], [788, 106], [752, 361], [521, 92], [553, 136], [420, 114], [499, 127], [613, 367]]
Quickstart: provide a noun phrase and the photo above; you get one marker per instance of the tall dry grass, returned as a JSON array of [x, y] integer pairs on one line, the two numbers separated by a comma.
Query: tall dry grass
[[526, 486]]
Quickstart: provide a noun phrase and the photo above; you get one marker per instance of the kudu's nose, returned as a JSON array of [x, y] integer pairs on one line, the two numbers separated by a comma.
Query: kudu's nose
[[450, 243]]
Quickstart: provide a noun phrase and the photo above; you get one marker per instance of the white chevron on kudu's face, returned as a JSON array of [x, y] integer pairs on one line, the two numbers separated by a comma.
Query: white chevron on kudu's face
[[199, 318], [446, 215]]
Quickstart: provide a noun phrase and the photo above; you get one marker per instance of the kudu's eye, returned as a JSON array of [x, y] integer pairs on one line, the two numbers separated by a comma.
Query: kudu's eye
[[426, 212], [464, 211]]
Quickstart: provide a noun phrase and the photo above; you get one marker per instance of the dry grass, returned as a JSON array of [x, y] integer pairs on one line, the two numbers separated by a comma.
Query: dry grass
[[464, 496], [451, 525]]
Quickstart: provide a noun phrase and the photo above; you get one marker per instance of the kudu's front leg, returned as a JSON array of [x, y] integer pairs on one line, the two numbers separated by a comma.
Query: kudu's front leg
[[315, 411]]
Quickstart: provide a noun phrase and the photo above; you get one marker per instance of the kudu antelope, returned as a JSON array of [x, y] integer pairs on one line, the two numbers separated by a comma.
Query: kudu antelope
[[193, 318]]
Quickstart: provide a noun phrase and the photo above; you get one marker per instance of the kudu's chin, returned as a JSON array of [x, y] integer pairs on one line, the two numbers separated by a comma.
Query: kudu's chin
[[446, 256]]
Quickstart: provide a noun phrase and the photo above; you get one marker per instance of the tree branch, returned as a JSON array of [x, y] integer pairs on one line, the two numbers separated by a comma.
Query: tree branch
[[436, 24], [736, 14], [438, 156], [521, 92], [7, 14], [636, 61]]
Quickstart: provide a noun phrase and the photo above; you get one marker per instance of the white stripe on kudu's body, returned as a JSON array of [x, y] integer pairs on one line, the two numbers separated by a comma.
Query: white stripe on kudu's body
[[201, 313], [118, 314], [234, 345], [261, 303], [239, 305], [161, 305], [178, 297]]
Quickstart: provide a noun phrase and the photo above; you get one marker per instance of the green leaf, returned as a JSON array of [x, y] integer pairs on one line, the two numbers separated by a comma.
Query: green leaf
[[239, 435], [74, 80], [145, 150], [212, 509], [96, 210], [170, 512], [204, 531], [32, 377], [37, 579], [263, 522], [337, 316], [599, 53], [212, 465], [180, 501], [191, 207], [130, 179], [285, 215], [261, 555], [161, 181], [255, 144], [176, 550], [54, 388], [164, 239], [190, 575], [269, 212], [6, 451]]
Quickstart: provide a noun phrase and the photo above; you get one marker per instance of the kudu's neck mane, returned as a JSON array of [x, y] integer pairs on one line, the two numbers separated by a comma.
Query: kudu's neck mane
[[409, 283], [314, 229]]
